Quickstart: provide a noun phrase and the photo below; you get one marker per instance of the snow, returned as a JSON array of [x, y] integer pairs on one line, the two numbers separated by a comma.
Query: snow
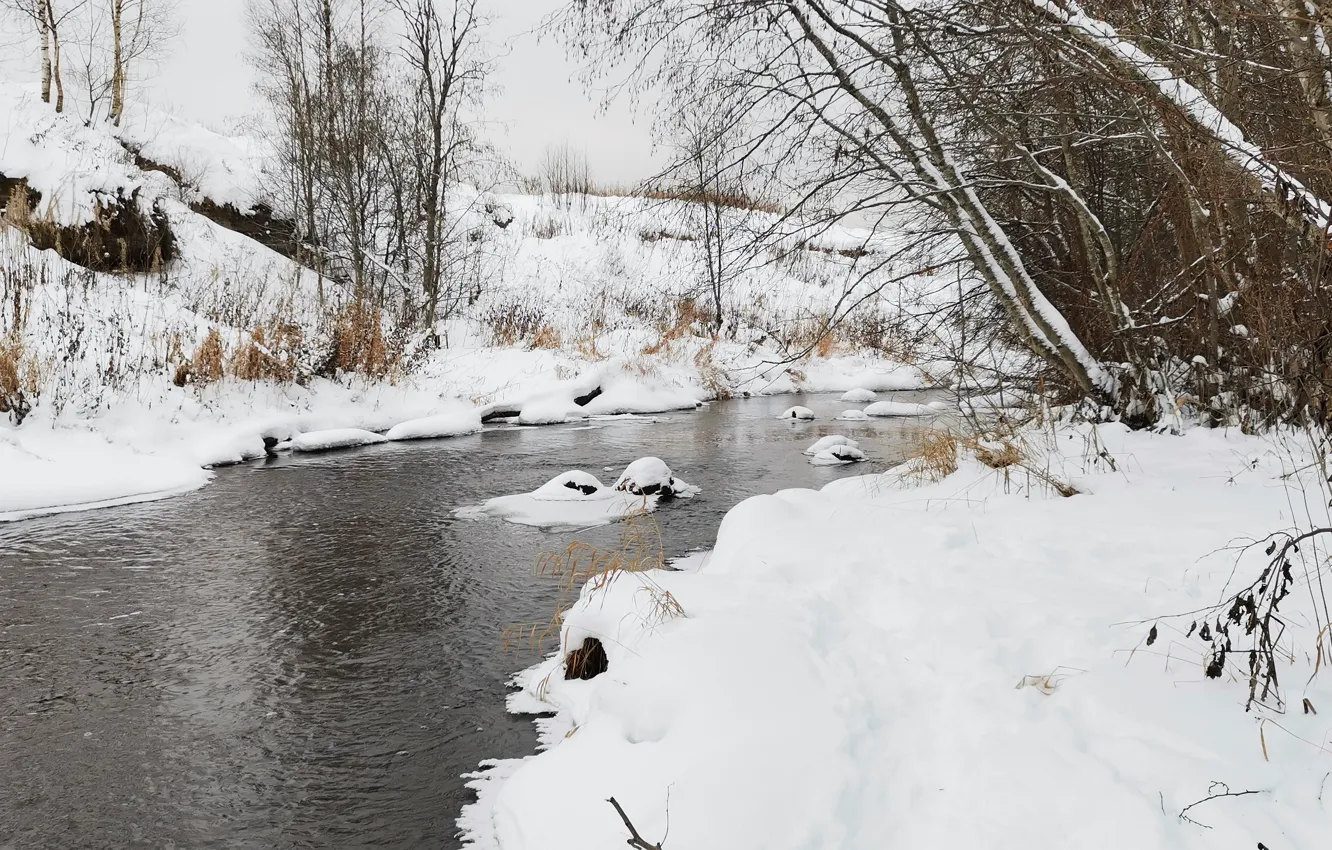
[[838, 455], [899, 408], [830, 441], [44, 472], [335, 438], [951, 664], [853, 416], [797, 412], [441, 425], [860, 395], [70, 164], [844, 374]]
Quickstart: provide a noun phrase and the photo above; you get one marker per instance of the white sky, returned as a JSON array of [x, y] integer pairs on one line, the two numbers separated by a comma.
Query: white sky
[[205, 78]]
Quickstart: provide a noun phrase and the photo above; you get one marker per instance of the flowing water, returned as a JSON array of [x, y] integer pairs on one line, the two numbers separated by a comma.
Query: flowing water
[[308, 652]]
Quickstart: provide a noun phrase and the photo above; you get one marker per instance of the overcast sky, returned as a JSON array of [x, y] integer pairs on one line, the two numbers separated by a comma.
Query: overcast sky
[[206, 78]]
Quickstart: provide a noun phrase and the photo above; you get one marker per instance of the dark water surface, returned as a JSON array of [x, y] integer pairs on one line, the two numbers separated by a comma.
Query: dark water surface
[[308, 652]]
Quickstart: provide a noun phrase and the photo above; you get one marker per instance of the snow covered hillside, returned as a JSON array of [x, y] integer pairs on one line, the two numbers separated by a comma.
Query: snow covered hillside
[[898, 661], [196, 348]]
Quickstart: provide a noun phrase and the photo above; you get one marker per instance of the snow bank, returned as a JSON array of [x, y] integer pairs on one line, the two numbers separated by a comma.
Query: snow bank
[[441, 425], [853, 416], [797, 412], [47, 472], [844, 374], [899, 408], [977, 688], [859, 396], [335, 438]]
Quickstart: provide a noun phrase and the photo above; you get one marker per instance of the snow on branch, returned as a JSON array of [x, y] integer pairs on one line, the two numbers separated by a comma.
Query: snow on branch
[[1313, 211]]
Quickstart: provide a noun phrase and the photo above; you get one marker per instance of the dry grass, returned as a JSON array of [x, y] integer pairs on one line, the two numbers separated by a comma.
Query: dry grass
[[272, 355], [933, 457], [18, 206], [688, 316], [359, 344], [20, 380], [583, 565], [206, 365], [714, 378], [546, 337], [512, 323], [996, 454], [650, 236], [731, 200]]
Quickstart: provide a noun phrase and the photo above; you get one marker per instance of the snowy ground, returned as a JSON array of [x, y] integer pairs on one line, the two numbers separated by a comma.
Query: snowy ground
[[891, 663]]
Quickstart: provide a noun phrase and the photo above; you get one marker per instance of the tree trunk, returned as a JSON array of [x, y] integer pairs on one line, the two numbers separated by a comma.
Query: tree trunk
[[117, 62], [45, 29]]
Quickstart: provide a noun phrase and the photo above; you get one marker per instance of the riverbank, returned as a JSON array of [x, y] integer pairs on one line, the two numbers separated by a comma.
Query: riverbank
[[978, 659], [161, 439], [128, 382]]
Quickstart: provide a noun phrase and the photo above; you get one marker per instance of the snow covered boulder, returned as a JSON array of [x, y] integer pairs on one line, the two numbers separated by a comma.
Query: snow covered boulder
[[838, 455], [899, 408], [454, 424], [797, 412], [854, 416], [650, 476], [570, 486], [549, 410], [825, 443], [334, 438], [859, 396], [570, 500]]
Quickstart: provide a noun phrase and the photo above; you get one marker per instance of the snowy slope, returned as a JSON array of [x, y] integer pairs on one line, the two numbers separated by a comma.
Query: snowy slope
[[955, 665], [561, 291]]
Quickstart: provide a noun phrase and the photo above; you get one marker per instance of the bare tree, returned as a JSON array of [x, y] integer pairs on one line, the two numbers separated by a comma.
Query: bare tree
[[565, 170], [1142, 190], [441, 48], [50, 22], [372, 105], [138, 30]]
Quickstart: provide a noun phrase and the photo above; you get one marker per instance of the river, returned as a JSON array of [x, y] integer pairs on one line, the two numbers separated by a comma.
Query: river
[[308, 652]]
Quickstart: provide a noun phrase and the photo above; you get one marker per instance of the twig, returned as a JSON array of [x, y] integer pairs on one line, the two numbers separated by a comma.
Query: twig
[[637, 841], [1210, 796]]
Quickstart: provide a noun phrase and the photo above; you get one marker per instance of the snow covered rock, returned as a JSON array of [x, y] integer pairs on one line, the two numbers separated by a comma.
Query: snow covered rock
[[825, 443], [573, 499], [859, 396], [650, 476], [899, 408], [797, 412], [854, 416], [454, 424], [571, 486], [838, 455], [335, 438], [549, 410]]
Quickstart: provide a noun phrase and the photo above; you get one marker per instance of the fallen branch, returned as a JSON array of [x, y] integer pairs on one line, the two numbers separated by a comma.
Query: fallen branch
[[637, 841]]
